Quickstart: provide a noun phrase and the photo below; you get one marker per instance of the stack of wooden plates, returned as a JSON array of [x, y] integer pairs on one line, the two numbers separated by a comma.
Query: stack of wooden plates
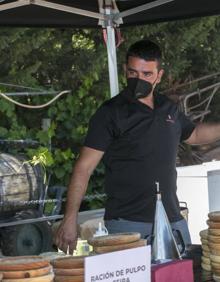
[[214, 243], [69, 269], [26, 269], [206, 262], [116, 242]]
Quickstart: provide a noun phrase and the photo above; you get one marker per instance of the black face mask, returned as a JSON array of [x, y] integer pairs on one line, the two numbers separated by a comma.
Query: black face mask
[[138, 87]]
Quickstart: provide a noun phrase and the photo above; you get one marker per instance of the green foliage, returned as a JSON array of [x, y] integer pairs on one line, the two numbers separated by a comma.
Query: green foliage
[[41, 157], [64, 162], [60, 59]]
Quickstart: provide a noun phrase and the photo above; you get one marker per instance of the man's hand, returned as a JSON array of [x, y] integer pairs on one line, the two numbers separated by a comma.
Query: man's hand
[[66, 236], [204, 133]]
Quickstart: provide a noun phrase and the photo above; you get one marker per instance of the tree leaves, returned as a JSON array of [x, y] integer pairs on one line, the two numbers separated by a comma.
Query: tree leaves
[[58, 59]]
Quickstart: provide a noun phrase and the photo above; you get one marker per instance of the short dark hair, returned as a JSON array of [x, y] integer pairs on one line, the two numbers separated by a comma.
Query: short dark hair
[[145, 49]]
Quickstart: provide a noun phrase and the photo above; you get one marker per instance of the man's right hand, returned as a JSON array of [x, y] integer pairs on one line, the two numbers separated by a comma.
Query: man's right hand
[[66, 236]]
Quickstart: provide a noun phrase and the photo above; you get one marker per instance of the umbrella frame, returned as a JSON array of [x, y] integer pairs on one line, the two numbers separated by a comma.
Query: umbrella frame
[[109, 17]]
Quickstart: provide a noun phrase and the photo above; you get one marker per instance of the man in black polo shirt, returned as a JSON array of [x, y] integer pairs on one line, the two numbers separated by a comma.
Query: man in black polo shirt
[[137, 134]]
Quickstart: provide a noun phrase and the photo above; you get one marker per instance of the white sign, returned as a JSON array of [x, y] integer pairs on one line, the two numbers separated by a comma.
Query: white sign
[[130, 265]]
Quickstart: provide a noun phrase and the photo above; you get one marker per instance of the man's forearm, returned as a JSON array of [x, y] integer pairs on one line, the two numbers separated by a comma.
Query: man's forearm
[[85, 165], [205, 133], [66, 236], [76, 191]]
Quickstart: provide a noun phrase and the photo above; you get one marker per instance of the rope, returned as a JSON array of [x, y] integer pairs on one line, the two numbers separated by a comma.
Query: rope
[[37, 106]]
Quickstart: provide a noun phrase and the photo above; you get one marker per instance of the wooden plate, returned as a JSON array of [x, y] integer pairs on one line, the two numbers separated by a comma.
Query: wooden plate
[[215, 232], [215, 258], [205, 248], [216, 278], [206, 254], [214, 246], [69, 262], [106, 249], [53, 255], [204, 233], [204, 241], [45, 278], [22, 263], [114, 239], [214, 216], [206, 267], [216, 271], [59, 278], [27, 273], [69, 272], [214, 239], [206, 260], [215, 252], [215, 265], [213, 224]]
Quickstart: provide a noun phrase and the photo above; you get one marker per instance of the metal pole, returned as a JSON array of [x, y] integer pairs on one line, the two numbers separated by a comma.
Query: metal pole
[[14, 5], [112, 61], [67, 9], [111, 48]]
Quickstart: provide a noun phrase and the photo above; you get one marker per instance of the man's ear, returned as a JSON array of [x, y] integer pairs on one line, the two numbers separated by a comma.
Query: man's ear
[[160, 75]]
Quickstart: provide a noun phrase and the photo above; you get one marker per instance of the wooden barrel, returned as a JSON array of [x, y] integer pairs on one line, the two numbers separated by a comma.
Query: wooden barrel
[[19, 183]]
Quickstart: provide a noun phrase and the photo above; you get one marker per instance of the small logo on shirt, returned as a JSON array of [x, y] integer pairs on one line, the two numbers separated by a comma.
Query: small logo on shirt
[[169, 119]]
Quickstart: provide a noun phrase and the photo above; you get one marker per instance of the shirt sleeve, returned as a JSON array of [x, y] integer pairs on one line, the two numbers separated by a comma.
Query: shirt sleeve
[[101, 130], [187, 126]]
